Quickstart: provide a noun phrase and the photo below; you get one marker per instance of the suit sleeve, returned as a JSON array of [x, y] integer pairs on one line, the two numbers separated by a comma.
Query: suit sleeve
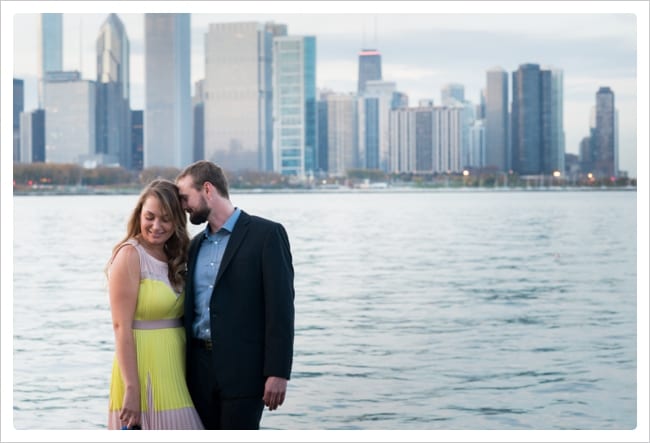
[[279, 296]]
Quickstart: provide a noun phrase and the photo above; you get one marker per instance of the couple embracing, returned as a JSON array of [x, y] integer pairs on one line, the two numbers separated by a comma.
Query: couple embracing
[[203, 328]]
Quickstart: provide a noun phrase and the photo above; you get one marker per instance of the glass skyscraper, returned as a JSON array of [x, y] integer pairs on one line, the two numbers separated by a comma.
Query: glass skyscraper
[[113, 116], [168, 109], [51, 48], [369, 68], [496, 120], [552, 121], [19, 106], [374, 114], [536, 121], [32, 136], [238, 106], [527, 120], [604, 143], [294, 106]]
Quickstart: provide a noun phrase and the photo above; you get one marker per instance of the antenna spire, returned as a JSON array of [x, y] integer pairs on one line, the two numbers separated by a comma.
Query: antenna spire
[[376, 44], [81, 68]]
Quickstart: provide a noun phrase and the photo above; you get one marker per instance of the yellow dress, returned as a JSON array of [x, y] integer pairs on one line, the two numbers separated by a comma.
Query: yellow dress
[[160, 348]]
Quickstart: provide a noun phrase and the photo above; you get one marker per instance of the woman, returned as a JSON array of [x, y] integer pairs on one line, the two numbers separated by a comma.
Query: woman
[[146, 275]]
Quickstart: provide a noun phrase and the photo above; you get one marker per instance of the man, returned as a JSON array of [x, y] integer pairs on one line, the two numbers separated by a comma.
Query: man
[[239, 311]]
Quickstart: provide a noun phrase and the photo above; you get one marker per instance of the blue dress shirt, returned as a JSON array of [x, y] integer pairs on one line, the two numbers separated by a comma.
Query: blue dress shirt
[[208, 261]]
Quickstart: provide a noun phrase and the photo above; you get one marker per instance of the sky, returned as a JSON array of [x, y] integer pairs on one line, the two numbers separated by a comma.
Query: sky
[[424, 46]]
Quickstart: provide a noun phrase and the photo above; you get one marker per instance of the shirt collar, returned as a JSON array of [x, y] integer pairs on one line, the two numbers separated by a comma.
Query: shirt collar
[[228, 226]]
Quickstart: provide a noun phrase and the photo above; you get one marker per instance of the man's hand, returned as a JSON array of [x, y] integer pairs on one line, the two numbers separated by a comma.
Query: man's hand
[[275, 390]]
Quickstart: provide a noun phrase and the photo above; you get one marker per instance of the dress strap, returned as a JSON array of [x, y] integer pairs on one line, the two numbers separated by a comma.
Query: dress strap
[[157, 324]]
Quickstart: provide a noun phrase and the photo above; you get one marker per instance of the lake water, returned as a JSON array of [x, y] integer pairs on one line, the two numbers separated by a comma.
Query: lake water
[[429, 310]]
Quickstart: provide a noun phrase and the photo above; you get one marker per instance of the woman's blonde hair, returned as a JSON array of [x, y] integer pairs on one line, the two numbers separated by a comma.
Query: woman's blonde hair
[[176, 247]]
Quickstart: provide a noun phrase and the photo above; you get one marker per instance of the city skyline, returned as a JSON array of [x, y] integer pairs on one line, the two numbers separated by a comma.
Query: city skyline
[[594, 51]]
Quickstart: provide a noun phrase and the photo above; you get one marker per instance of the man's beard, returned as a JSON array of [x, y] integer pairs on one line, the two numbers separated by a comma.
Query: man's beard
[[200, 215]]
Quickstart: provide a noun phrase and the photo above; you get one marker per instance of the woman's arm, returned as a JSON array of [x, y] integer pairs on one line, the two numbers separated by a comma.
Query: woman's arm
[[123, 286]]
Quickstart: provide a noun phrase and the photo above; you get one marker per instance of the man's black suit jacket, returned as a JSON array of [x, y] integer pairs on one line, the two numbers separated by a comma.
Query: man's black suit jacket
[[251, 309]]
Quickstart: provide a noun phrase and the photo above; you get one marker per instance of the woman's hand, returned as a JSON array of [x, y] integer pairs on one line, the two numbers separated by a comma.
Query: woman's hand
[[130, 414]]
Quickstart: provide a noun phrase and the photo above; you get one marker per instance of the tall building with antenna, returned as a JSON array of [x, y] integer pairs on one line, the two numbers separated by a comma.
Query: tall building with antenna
[[369, 68]]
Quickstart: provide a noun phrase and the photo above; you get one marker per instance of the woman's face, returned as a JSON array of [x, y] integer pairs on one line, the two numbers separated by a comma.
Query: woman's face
[[156, 226]]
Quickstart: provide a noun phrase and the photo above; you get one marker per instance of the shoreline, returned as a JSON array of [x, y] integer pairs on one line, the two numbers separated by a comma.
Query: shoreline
[[342, 190]]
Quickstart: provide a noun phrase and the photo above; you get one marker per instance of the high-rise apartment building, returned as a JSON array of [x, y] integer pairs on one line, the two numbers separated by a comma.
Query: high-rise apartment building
[[411, 139], [604, 136], [497, 151], [369, 68], [238, 99], [50, 48], [168, 110], [69, 118], [341, 131], [448, 122], [453, 95], [113, 126], [294, 106]]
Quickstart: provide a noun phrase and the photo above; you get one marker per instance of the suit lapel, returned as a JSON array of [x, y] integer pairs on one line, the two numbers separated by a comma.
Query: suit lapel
[[236, 237], [189, 282]]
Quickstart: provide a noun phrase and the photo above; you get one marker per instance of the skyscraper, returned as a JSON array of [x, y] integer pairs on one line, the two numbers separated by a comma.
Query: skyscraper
[[411, 139], [19, 106], [69, 118], [32, 136], [537, 128], [322, 144], [341, 133], [452, 93], [50, 48], [552, 121], [604, 143], [294, 106], [527, 119], [374, 114], [497, 153], [137, 140], [447, 137], [369, 68], [168, 111], [238, 106], [198, 126], [113, 127], [477, 144]]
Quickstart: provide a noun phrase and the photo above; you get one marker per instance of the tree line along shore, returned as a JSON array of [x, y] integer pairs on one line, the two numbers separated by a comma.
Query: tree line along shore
[[43, 178]]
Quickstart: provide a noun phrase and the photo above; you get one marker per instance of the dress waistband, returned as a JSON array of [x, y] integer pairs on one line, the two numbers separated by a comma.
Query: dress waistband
[[157, 324]]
